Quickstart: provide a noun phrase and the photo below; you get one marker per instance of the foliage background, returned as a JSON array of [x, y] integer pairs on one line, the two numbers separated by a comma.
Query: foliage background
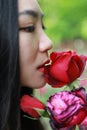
[[66, 25], [65, 20]]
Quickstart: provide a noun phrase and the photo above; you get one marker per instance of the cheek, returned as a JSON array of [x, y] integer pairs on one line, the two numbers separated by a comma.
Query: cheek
[[23, 47], [24, 41], [26, 46]]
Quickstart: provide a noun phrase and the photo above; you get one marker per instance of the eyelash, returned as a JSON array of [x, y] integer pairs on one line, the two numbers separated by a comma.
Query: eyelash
[[30, 29], [43, 27]]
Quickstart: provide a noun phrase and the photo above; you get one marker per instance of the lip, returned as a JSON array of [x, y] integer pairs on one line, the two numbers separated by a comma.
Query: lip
[[41, 66]]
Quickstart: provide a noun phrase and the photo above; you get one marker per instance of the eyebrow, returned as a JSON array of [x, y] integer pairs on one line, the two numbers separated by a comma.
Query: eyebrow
[[30, 12]]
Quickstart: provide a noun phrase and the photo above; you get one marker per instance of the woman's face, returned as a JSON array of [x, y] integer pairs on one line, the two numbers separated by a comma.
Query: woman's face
[[33, 44]]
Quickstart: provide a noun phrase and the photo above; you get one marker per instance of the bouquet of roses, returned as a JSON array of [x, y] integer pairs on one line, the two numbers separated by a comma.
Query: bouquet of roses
[[65, 109]]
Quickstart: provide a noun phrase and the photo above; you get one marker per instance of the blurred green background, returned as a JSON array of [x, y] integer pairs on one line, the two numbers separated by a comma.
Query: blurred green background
[[66, 25]]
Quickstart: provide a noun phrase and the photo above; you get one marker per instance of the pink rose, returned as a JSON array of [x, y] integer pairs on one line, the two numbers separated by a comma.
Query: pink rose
[[31, 106], [83, 125], [65, 68], [84, 122], [67, 108]]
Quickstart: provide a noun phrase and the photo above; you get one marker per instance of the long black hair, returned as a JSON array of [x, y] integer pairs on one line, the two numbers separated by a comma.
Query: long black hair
[[10, 89], [9, 68]]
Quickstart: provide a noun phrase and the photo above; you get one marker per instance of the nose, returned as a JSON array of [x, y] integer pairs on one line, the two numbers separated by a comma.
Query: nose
[[45, 42]]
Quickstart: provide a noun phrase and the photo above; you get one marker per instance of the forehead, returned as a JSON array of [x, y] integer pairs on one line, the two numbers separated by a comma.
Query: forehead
[[28, 5]]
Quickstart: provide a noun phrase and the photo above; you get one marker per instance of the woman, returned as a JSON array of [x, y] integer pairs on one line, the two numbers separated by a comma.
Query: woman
[[23, 52]]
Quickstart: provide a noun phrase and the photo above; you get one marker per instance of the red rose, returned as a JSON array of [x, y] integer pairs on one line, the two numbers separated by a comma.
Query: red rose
[[31, 106], [67, 108], [65, 68]]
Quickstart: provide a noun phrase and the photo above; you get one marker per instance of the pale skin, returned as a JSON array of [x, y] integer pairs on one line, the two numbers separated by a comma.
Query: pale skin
[[34, 44]]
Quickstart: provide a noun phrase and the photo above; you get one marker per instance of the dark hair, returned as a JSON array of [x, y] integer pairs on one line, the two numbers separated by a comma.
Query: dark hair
[[9, 84], [9, 69]]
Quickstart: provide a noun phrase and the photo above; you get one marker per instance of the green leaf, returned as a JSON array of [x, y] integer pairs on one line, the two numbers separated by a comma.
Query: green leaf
[[30, 117], [42, 113], [73, 85]]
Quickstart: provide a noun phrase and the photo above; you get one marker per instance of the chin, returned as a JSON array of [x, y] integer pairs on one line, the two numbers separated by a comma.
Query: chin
[[36, 83], [37, 86]]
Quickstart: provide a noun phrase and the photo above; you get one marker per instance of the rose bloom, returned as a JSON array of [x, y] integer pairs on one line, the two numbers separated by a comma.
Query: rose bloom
[[67, 108], [31, 106], [65, 68], [83, 125], [84, 122]]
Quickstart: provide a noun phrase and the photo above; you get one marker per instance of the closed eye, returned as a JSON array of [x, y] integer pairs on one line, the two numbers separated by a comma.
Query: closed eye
[[29, 29]]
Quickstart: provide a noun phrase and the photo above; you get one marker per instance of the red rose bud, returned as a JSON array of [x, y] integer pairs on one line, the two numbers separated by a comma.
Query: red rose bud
[[65, 68], [67, 108], [32, 106]]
